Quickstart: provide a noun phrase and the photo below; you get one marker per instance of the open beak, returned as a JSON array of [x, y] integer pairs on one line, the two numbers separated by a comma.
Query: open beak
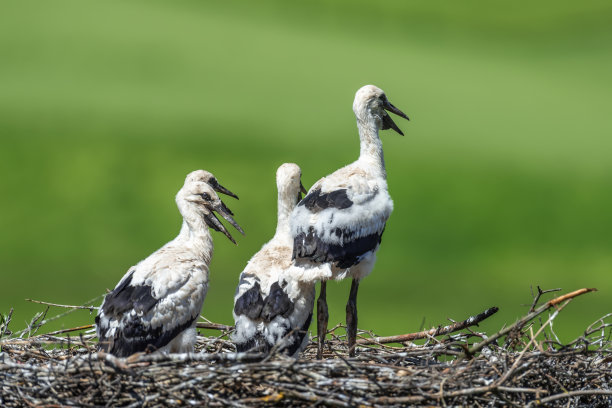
[[388, 123], [220, 189], [214, 223]]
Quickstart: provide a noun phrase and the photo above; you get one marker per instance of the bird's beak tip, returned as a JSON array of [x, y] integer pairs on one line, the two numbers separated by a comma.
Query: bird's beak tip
[[220, 189]]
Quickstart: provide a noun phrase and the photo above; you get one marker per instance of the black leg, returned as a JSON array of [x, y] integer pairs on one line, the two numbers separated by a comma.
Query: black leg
[[322, 317], [351, 318]]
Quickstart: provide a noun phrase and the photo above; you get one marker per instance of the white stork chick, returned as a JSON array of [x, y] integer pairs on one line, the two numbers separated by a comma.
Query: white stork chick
[[270, 308], [157, 302], [337, 227]]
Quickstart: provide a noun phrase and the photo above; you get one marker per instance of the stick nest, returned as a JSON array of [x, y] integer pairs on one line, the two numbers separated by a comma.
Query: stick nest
[[521, 365]]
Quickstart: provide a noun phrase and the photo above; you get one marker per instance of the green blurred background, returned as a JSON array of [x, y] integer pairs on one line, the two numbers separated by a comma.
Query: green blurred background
[[503, 180]]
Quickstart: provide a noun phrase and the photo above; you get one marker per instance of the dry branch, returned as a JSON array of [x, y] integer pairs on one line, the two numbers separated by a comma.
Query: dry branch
[[4, 323], [214, 326], [72, 329], [521, 322], [570, 295], [570, 394], [90, 308], [438, 331]]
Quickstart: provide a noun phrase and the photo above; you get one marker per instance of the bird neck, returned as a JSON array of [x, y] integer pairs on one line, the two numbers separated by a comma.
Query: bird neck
[[194, 234], [371, 151], [285, 207]]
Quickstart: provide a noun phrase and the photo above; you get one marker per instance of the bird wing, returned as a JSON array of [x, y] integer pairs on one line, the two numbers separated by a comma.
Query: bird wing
[[268, 311], [342, 217], [136, 314], [264, 321], [259, 281], [277, 303], [250, 301]]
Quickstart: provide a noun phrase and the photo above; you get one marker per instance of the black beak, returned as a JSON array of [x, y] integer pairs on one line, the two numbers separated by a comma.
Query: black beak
[[220, 189], [214, 223], [388, 123], [302, 191]]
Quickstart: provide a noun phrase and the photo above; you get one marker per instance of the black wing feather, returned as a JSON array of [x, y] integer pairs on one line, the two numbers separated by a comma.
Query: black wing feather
[[311, 246], [250, 303], [346, 253], [277, 303], [316, 202], [126, 297], [133, 335]]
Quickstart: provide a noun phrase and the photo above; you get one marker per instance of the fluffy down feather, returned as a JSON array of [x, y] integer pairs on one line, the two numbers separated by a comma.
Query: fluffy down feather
[[271, 309]]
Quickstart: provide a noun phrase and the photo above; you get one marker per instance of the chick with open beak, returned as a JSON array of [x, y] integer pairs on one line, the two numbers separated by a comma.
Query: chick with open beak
[[388, 123], [208, 178], [205, 202], [371, 106], [157, 303]]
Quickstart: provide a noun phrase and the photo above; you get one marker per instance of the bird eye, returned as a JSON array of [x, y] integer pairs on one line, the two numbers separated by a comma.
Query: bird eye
[[206, 196]]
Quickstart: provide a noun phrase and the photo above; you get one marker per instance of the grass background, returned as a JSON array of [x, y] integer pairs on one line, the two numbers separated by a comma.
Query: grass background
[[503, 180]]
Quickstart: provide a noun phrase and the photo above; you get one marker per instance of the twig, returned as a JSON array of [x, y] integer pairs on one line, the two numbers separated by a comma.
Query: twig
[[73, 329], [569, 395], [521, 322], [90, 308], [214, 326], [188, 357], [536, 299], [116, 363], [36, 323], [59, 316], [518, 389], [438, 331], [512, 369], [570, 295], [5, 320]]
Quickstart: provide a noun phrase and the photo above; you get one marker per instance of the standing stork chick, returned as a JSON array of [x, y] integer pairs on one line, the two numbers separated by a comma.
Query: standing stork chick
[[270, 308], [157, 302], [337, 227]]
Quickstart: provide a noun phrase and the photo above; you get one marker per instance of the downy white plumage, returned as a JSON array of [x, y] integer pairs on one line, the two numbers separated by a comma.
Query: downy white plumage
[[157, 302], [271, 309], [337, 227]]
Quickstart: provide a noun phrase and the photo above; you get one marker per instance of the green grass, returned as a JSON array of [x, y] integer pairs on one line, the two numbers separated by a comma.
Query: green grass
[[503, 179]]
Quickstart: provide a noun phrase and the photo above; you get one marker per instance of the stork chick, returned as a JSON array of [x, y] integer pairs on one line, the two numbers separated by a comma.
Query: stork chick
[[337, 227], [270, 308], [157, 302]]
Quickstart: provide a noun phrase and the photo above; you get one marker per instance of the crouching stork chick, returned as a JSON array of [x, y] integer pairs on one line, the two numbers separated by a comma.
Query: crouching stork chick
[[337, 228], [270, 308], [156, 304]]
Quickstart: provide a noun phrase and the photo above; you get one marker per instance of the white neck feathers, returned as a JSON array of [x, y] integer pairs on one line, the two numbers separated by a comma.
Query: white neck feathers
[[371, 150], [286, 205], [194, 233]]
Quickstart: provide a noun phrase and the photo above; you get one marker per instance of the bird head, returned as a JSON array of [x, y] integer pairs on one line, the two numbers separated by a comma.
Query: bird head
[[371, 105], [210, 179], [202, 200], [288, 183]]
